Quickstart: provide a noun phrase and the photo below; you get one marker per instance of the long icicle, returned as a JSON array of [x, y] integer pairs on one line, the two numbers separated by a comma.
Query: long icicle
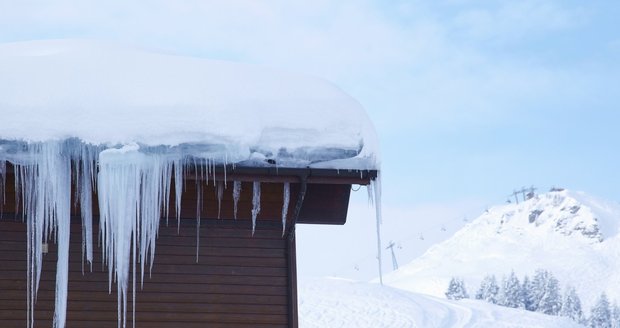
[[178, 188], [285, 203], [236, 195], [220, 194], [85, 186], [198, 212], [374, 196], [2, 185], [45, 185], [255, 204]]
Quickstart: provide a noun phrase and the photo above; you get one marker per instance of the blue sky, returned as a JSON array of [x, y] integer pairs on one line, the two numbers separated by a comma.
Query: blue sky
[[470, 99]]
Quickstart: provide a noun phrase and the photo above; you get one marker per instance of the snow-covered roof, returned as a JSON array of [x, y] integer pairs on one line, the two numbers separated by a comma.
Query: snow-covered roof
[[107, 95], [127, 121]]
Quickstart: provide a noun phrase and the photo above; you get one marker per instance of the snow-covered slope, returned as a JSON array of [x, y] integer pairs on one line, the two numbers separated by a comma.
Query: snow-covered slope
[[571, 234], [330, 303]]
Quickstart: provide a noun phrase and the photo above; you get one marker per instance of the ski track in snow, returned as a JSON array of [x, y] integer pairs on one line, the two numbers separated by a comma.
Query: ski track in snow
[[337, 303]]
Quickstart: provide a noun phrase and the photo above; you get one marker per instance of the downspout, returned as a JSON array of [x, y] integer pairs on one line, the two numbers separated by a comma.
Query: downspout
[[291, 253]]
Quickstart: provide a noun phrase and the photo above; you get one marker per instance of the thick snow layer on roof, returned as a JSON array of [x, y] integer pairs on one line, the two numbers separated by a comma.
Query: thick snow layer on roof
[[107, 95]]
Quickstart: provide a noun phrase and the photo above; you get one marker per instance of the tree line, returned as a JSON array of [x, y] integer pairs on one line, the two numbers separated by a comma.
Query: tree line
[[540, 294]]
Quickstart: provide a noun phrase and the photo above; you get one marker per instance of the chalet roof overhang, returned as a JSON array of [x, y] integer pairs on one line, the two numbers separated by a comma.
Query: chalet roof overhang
[[326, 196], [293, 175]]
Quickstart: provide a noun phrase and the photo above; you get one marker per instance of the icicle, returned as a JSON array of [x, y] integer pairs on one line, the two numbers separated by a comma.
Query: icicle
[[155, 176], [2, 184], [16, 174], [45, 187], [220, 194], [30, 272], [18, 178], [133, 285], [198, 212], [167, 172], [374, 189], [178, 189], [56, 181], [206, 169], [236, 195], [86, 161], [212, 167], [285, 203], [255, 204], [224, 167]]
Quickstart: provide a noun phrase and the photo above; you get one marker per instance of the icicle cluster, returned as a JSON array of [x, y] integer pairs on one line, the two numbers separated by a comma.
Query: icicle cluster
[[134, 188]]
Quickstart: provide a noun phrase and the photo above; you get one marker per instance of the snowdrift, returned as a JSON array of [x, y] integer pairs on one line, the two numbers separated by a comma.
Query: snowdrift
[[333, 303]]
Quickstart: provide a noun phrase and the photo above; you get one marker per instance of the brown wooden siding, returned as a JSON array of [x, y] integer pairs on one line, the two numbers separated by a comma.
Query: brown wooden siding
[[239, 281]]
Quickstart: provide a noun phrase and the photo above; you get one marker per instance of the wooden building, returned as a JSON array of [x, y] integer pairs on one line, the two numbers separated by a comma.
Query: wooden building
[[77, 109], [240, 279]]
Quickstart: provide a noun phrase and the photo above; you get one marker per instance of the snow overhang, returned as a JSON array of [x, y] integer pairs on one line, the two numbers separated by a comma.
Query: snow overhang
[[110, 97]]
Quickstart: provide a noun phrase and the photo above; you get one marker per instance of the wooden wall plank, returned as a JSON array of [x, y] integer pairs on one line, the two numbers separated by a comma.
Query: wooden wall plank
[[239, 281]]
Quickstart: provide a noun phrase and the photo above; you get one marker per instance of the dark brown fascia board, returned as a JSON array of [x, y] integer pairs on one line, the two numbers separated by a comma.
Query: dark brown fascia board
[[280, 174]]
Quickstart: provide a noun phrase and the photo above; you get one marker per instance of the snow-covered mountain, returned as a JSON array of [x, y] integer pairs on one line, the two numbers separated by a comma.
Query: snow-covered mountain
[[571, 234], [333, 303]]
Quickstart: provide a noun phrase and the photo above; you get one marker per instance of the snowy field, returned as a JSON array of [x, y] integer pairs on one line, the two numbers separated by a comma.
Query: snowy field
[[327, 303]]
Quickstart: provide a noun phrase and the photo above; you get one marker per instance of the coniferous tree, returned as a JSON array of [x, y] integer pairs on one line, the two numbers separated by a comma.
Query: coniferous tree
[[544, 294], [615, 316], [527, 292], [456, 290], [488, 290], [511, 292], [536, 290], [571, 305], [551, 301], [600, 315]]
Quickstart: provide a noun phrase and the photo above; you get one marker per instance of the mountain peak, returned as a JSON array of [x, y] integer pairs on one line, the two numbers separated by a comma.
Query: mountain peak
[[559, 211]]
